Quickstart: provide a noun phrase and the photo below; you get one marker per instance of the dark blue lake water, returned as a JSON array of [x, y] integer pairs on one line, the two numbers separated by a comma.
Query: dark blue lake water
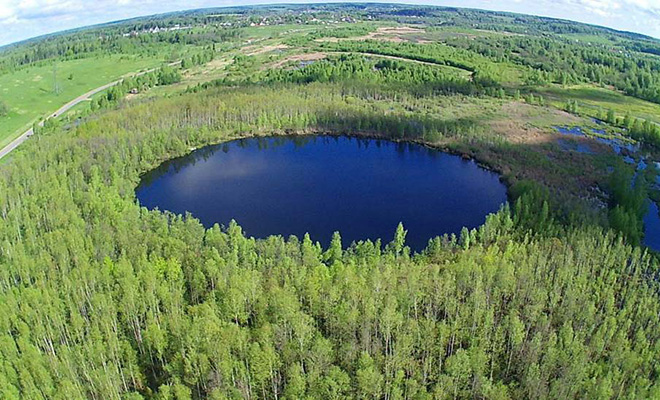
[[319, 184], [652, 227]]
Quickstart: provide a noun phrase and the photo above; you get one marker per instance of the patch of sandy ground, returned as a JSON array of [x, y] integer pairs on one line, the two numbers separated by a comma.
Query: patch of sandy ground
[[300, 57], [256, 50], [389, 34], [516, 127]]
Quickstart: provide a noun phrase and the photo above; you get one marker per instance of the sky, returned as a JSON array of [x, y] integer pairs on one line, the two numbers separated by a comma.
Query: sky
[[23, 19]]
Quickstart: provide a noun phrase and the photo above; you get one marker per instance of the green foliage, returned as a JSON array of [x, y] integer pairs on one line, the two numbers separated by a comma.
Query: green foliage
[[401, 76], [343, 32], [572, 107], [553, 59], [4, 109], [627, 203], [104, 299], [163, 76], [611, 117], [532, 208], [646, 131], [484, 71], [198, 59], [168, 76]]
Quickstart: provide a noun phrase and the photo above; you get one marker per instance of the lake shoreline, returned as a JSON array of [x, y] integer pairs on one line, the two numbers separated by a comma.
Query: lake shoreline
[[271, 185]]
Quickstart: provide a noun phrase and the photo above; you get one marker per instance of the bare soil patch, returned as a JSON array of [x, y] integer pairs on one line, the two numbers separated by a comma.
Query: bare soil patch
[[399, 30], [300, 57], [529, 129], [524, 123], [210, 68], [397, 34], [256, 50]]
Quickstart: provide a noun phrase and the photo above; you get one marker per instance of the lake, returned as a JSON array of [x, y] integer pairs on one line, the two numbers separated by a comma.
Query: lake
[[652, 226], [293, 185]]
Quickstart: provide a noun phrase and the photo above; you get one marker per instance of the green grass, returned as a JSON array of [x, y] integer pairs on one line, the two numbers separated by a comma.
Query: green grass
[[590, 98], [78, 110], [451, 32], [30, 92]]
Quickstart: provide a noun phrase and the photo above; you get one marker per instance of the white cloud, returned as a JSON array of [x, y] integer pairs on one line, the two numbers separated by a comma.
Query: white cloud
[[6, 11], [611, 7]]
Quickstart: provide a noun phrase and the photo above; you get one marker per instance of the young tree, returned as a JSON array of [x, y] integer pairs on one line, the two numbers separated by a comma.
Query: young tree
[[4, 109], [611, 117], [516, 94], [398, 243], [368, 377]]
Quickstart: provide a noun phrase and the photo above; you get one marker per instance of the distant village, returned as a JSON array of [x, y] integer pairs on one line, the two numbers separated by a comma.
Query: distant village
[[267, 21], [264, 21], [156, 29]]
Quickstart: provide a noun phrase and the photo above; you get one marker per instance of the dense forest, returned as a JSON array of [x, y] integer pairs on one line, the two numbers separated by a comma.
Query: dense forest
[[552, 297], [104, 299]]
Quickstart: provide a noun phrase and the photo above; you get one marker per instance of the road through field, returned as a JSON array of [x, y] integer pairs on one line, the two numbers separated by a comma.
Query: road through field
[[22, 138]]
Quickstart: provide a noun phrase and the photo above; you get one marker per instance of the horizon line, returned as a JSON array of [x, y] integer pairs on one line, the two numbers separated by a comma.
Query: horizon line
[[312, 2]]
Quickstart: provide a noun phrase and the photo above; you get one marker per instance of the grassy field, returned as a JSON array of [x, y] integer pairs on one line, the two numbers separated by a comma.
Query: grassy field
[[30, 93], [452, 32], [592, 39], [591, 98], [261, 32]]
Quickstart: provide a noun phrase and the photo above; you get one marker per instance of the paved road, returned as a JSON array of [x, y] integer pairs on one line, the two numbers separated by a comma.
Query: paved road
[[17, 142]]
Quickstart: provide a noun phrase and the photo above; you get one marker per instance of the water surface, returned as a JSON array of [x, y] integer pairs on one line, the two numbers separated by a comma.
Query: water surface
[[652, 226], [320, 184]]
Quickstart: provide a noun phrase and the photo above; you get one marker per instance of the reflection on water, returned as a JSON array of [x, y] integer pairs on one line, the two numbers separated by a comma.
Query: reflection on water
[[629, 153], [321, 184], [575, 146], [574, 131], [618, 143], [652, 227]]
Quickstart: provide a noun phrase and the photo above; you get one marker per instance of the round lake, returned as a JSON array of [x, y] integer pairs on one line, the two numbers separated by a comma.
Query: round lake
[[320, 184]]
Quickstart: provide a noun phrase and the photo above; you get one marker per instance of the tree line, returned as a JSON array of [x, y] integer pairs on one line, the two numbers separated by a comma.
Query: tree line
[[561, 61]]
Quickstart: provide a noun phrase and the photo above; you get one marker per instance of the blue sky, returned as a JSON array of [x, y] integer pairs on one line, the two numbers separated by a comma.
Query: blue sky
[[22, 19]]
